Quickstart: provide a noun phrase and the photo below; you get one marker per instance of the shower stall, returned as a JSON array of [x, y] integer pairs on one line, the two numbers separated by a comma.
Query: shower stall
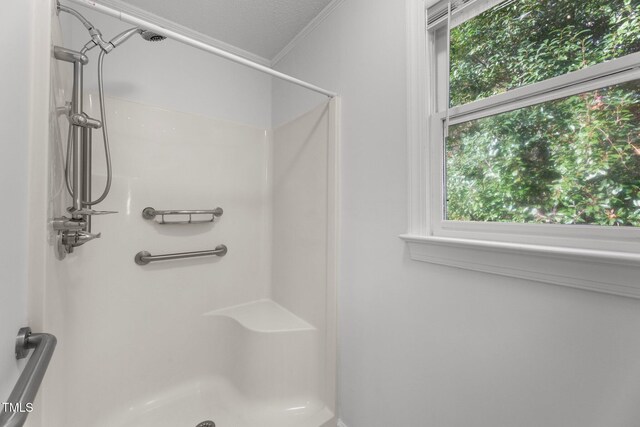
[[209, 298]]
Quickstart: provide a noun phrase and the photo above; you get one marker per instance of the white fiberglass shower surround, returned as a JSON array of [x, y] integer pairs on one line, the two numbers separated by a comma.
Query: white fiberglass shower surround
[[243, 340]]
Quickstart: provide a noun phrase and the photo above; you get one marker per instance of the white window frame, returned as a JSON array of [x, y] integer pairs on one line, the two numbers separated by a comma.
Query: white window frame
[[600, 258]]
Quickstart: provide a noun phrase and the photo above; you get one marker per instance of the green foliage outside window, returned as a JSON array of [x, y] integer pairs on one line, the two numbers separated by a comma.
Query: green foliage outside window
[[570, 161]]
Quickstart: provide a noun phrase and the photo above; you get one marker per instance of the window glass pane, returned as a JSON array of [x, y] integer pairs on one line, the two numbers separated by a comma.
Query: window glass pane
[[571, 161], [520, 42]]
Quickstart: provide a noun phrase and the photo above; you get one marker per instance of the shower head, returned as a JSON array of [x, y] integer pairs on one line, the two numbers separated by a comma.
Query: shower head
[[125, 35], [150, 36]]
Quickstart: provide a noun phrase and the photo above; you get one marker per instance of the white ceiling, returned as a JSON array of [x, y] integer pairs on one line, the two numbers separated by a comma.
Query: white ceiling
[[260, 27]]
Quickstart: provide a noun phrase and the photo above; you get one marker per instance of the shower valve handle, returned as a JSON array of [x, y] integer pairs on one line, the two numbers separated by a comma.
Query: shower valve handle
[[74, 239], [84, 237]]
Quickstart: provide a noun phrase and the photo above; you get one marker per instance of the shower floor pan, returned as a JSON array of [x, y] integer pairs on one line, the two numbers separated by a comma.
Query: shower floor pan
[[270, 374], [219, 401]]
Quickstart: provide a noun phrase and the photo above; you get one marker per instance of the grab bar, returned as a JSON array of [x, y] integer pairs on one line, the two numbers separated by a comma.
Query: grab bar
[[151, 213], [20, 402], [144, 257]]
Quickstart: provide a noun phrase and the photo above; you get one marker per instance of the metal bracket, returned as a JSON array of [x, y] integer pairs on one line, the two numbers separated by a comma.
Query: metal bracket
[[22, 343], [83, 120], [65, 224], [69, 55], [71, 234], [65, 110]]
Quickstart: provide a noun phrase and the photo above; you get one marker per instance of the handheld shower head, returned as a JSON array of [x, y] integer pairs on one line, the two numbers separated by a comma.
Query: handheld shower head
[[150, 36], [125, 35]]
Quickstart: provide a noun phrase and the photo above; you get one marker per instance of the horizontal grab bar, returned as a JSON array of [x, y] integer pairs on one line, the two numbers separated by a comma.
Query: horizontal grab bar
[[144, 257], [151, 213], [24, 392]]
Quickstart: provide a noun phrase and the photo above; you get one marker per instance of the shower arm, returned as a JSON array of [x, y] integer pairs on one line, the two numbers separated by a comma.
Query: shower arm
[[96, 35]]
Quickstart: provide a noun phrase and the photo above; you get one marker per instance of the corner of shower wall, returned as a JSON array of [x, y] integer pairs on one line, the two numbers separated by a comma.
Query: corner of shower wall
[[305, 228], [44, 140]]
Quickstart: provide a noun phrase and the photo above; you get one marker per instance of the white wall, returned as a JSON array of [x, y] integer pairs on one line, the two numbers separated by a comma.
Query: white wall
[[425, 345], [15, 86], [172, 75]]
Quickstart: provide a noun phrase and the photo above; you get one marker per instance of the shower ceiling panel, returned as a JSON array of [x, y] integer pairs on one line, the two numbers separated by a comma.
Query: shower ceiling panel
[[260, 27]]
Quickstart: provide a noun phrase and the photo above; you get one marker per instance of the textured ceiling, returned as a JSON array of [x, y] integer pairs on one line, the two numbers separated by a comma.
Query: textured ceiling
[[261, 27]]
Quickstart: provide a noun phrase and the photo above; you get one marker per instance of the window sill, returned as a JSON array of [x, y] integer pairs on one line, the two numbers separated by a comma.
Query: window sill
[[601, 271]]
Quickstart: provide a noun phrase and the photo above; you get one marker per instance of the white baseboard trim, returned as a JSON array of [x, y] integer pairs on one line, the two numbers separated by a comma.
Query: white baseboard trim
[[341, 423]]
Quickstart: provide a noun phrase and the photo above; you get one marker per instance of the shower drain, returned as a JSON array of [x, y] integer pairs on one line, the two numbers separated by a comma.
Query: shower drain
[[207, 423]]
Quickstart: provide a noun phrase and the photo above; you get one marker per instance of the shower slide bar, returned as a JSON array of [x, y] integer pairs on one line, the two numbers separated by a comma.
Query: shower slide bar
[[200, 45], [151, 213], [14, 412], [144, 257]]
